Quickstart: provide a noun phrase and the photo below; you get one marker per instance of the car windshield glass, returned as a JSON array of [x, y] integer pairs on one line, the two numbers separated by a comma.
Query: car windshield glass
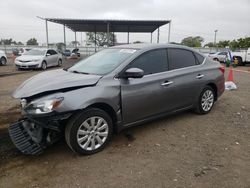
[[102, 62], [35, 52]]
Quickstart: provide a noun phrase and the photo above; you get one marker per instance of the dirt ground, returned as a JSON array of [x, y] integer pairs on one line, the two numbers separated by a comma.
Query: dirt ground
[[183, 150]]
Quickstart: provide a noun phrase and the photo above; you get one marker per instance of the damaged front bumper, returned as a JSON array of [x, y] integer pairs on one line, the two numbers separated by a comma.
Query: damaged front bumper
[[32, 134]]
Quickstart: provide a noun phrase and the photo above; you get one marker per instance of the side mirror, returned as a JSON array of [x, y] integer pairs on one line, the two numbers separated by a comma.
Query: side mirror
[[47, 54], [133, 73]]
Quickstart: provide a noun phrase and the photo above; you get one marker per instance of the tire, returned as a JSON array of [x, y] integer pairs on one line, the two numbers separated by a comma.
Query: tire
[[59, 63], [83, 135], [44, 65], [3, 61], [206, 101], [240, 61], [216, 59]]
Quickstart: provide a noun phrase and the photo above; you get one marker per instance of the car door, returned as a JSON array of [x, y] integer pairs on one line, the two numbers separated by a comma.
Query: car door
[[49, 58], [187, 76], [151, 94], [54, 57]]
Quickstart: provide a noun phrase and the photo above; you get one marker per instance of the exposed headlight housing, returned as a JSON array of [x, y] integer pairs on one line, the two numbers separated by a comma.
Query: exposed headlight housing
[[43, 107]]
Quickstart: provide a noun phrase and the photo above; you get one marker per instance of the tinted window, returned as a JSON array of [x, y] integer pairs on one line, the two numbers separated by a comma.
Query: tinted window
[[151, 62], [222, 53], [53, 52], [179, 58], [199, 58]]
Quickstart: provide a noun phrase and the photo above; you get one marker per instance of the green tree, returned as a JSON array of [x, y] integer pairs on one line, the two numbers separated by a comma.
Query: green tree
[[223, 43], [192, 41], [210, 45], [32, 41], [7, 41], [101, 38]]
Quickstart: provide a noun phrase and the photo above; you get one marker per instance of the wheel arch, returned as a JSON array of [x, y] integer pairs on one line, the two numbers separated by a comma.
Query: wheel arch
[[108, 109], [214, 87]]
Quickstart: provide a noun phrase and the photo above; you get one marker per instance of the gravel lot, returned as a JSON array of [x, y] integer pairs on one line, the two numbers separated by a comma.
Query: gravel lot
[[183, 150]]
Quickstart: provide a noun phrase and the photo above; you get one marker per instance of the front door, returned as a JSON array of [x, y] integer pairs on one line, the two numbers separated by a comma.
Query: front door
[[150, 95]]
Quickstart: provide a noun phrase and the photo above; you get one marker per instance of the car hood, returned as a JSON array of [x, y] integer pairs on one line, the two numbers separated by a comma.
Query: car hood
[[29, 57], [52, 81]]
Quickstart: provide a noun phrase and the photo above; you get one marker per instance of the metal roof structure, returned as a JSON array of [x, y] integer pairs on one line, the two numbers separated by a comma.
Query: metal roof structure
[[97, 25], [109, 26]]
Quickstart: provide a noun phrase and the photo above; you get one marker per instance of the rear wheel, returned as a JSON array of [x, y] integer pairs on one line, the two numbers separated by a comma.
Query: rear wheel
[[59, 63], [3, 61], [206, 101], [89, 131], [44, 65]]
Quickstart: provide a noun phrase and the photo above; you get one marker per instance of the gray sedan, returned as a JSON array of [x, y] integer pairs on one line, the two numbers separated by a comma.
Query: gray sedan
[[111, 90]]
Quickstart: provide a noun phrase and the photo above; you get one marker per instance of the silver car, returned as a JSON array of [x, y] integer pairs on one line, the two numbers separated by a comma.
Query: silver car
[[111, 90], [38, 59]]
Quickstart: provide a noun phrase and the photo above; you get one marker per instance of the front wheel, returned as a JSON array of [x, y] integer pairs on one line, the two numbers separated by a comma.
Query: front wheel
[[3, 61], [89, 132], [206, 101]]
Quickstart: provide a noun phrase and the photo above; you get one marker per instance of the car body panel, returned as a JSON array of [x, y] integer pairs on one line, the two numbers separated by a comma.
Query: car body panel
[[53, 80]]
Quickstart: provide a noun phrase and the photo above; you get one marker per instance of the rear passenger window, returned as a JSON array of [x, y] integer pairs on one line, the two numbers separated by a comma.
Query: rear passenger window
[[151, 62], [199, 58], [179, 58]]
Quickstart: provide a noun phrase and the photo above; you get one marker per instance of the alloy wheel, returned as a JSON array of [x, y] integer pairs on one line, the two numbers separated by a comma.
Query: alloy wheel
[[207, 100], [92, 133]]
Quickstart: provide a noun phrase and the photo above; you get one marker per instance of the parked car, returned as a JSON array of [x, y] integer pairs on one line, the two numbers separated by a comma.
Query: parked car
[[66, 53], [23, 51], [15, 51], [76, 52], [3, 58], [111, 90], [219, 56], [38, 59], [243, 57]]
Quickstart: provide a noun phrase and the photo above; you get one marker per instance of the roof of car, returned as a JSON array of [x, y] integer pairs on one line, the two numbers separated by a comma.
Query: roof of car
[[149, 46]]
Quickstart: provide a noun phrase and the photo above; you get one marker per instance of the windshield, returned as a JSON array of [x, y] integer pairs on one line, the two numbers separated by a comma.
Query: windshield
[[35, 52], [102, 62]]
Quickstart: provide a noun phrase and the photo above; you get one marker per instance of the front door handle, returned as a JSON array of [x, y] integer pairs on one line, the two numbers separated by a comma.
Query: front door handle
[[199, 76], [166, 83]]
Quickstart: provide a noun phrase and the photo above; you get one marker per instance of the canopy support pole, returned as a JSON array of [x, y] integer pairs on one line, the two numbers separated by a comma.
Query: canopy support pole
[[64, 36], [169, 29], [95, 38], [47, 34], [151, 38], [75, 41], [158, 35], [108, 34]]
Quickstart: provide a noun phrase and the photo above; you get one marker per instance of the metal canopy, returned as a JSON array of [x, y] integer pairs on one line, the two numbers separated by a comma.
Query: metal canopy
[[92, 25]]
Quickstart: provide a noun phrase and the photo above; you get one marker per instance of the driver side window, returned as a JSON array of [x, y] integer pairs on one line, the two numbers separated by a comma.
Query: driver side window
[[151, 62]]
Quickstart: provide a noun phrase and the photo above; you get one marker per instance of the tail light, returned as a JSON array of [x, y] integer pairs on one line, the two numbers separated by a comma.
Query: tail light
[[222, 69]]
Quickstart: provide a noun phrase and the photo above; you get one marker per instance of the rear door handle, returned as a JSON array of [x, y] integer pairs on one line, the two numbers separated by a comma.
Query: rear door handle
[[166, 83], [199, 76]]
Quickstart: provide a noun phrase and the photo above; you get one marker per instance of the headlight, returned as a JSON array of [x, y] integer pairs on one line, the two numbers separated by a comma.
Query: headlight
[[42, 107]]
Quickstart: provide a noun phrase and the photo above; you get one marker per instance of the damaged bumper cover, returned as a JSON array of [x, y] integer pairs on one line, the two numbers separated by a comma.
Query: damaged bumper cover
[[32, 134]]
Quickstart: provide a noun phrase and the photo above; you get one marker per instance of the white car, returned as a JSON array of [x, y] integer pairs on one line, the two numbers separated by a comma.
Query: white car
[[219, 56], [38, 59], [3, 58], [23, 51], [242, 56]]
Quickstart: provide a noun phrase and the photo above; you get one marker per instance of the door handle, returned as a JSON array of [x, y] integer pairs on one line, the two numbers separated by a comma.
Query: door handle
[[199, 76], [166, 83]]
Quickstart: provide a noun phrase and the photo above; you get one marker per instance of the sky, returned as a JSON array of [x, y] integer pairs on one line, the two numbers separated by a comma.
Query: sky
[[18, 19]]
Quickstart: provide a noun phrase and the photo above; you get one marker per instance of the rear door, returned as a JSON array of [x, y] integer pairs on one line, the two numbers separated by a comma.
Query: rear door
[[187, 75], [151, 94]]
